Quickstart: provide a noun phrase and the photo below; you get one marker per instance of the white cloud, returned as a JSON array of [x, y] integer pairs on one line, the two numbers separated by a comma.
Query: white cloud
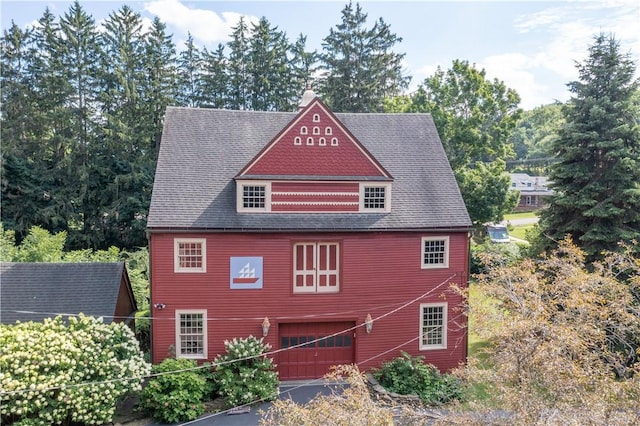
[[515, 70], [206, 26], [564, 35]]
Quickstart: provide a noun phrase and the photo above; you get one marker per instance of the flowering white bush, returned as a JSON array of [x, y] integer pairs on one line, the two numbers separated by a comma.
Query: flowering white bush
[[56, 372], [244, 374]]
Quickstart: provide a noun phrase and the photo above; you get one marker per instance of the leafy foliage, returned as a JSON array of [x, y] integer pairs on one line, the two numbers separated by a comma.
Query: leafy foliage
[[177, 391], [563, 338], [410, 375], [475, 118], [244, 374], [487, 255], [55, 373], [597, 178], [532, 138], [351, 405]]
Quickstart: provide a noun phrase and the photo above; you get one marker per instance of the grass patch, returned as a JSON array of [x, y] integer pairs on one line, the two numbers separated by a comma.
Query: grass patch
[[521, 215], [520, 231], [476, 343]]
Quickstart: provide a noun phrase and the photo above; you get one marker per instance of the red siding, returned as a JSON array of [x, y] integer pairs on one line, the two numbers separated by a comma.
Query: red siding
[[284, 157], [379, 273], [314, 196]]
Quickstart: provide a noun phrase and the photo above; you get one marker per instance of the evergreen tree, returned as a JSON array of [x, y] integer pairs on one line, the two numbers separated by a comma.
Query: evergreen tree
[[268, 68], [597, 178], [189, 74], [21, 184], [237, 67], [214, 85], [303, 66], [121, 168], [79, 58], [359, 69]]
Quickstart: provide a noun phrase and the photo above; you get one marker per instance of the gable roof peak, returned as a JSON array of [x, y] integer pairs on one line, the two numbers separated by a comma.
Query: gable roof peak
[[307, 97]]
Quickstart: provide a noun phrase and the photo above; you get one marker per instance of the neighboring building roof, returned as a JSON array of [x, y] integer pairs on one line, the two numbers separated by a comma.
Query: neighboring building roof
[[202, 150], [530, 185], [34, 291]]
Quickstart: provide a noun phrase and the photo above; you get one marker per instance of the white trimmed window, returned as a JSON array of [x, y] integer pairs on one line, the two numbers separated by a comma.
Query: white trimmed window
[[435, 252], [191, 334], [375, 197], [253, 196], [190, 255], [316, 267], [433, 326]]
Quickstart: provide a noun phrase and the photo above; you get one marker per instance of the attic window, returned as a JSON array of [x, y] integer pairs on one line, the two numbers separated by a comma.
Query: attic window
[[253, 197], [375, 198], [322, 142], [309, 141], [316, 118], [316, 130], [303, 130], [328, 131], [334, 141], [297, 140]]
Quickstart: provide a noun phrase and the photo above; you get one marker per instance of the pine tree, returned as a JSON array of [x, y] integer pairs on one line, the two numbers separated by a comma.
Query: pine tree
[[597, 180], [359, 69], [237, 67], [269, 72], [214, 81], [189, 74]]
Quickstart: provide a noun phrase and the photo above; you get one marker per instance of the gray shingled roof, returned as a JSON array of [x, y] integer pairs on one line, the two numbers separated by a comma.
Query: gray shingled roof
[[202, 150], [51, 288]]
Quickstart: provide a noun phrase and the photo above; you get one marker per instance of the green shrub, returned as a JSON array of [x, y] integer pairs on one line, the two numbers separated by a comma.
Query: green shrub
[[488, 254], [178, 391], [244, 374], [55, 372], [410, 375]]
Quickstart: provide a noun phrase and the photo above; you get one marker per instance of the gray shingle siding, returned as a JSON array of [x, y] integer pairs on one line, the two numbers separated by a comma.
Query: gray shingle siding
[[202, 150]]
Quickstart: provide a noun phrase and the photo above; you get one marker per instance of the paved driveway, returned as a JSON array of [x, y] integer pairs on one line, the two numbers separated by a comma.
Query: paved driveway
[[299, 392]]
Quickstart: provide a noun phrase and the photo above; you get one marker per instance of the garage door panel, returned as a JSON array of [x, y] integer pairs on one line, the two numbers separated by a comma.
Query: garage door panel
[[310, 349]]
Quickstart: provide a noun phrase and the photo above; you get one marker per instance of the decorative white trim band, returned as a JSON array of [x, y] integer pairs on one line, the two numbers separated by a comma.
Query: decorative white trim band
[[310, 203], [307, 194]]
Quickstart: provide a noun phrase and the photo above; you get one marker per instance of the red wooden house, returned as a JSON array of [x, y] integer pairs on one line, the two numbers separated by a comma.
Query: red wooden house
[[336, 236]]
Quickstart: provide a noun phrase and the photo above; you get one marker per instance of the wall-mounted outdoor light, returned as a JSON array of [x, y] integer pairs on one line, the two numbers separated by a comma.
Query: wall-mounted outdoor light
[[265, 327], [368, 323]]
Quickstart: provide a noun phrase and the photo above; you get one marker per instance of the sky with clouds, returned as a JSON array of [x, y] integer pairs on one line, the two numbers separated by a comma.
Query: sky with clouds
[[532, 46]]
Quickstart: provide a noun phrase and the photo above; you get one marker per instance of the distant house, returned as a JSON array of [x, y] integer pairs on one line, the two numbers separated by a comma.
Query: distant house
[[534, 191], [35, 291], [335, 236]]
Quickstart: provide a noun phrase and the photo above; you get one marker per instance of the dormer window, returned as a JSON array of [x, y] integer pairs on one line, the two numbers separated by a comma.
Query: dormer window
[[253, 196], [375, 197]]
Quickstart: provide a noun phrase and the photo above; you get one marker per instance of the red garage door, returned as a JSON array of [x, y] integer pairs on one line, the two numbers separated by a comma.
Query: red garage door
[[305, 358]]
